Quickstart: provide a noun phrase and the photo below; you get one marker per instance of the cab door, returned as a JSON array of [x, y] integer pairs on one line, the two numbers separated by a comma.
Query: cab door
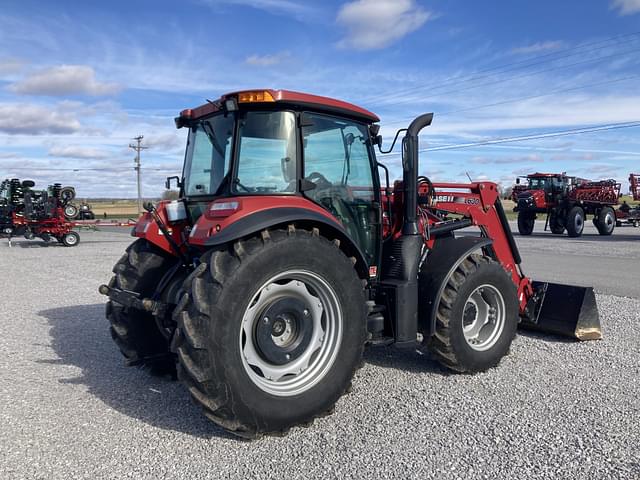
[[338, 173]]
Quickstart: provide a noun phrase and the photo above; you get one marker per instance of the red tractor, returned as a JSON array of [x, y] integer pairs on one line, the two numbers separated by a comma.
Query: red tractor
[[45, 214], [566, 202], [287, 253]]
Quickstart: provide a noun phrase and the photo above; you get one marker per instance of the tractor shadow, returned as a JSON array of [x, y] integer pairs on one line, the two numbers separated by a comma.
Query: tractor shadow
[[414, 360], [585, 237], [32, 244], [80, 338]]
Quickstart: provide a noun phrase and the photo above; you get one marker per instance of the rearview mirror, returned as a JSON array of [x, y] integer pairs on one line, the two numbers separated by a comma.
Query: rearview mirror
[[167, 183]]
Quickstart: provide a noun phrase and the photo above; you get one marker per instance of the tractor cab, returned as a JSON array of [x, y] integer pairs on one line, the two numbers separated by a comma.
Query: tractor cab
[[254, 151], [542, 190]]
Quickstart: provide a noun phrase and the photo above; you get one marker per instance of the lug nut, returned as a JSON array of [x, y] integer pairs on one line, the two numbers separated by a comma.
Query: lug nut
[[266, 320]]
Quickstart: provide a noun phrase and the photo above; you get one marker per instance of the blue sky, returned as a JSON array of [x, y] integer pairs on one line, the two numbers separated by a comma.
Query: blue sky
[[79, 79]]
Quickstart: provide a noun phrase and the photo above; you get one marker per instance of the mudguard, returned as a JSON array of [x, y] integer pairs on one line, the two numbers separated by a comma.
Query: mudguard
[[260, 220], [442, 260]]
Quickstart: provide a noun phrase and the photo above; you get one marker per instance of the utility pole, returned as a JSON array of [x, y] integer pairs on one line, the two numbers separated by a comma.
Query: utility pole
[[138, 147]]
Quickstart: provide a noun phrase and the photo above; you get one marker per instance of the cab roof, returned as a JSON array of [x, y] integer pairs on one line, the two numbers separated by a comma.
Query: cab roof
[[285, 97], [546, 175]]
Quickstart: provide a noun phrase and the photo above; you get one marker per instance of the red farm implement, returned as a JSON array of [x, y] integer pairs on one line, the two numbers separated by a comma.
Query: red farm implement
[[45, 214]]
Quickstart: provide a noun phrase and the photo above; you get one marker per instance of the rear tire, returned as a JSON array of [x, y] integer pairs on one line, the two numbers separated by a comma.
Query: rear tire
[[233, 371], [606, 221], [526, 222], [460, 343], [575, 222], [134, 331], [556, 227]]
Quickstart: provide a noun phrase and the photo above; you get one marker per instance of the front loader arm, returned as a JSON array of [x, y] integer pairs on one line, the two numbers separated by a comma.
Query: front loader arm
[[479, 202], [550, 307]]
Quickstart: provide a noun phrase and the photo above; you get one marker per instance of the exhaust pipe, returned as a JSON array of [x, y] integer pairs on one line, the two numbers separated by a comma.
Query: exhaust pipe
[[565, 310]]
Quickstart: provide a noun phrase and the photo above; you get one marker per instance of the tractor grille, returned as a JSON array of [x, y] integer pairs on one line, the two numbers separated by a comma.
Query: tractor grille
[[525, 202]]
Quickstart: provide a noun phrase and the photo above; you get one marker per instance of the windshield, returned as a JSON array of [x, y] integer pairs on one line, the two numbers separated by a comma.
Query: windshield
[[267, 153], [208, 155], [538, 183], [543, 183]]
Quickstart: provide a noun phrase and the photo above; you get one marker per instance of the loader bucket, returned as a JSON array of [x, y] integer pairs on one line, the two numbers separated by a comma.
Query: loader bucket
[[565, 310]]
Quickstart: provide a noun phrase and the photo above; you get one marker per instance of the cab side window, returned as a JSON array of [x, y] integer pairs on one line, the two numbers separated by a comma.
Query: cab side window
[[337, 161]]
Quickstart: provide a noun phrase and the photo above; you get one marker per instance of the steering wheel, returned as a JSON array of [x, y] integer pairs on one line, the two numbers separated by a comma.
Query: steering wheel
[[319, 179], [246, 189]]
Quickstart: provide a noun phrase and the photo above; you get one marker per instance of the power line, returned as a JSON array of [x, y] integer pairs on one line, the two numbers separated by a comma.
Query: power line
[[528, 74], [455, 80], [530, 97], [561, 133]]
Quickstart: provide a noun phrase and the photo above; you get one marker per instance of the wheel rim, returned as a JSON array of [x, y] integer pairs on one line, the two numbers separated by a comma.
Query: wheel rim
[[608, 221], [291, 333], [577, 222], [483, 317], [71, 239]]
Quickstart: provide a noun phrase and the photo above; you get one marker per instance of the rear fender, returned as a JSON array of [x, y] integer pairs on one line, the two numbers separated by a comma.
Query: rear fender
[[209, 232], [448, 253]]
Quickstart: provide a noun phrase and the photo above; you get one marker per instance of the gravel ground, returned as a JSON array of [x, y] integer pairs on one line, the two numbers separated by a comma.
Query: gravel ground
[[69, 408]]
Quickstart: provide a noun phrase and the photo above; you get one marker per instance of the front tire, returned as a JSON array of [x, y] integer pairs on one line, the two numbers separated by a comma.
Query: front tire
[[606, 221], [247, 353], [526, 222], [477, 317], [135, 332], [575, 222], [554, 224], [70, 239]]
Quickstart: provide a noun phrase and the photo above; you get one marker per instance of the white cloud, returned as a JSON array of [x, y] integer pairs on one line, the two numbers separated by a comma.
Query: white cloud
[[539, 47], [267, 60], [626, 7], [11, 65], [75, 151], [373, 24], [507, 160], [271, 6], [165, 141], [36, 120], [64, 80]]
